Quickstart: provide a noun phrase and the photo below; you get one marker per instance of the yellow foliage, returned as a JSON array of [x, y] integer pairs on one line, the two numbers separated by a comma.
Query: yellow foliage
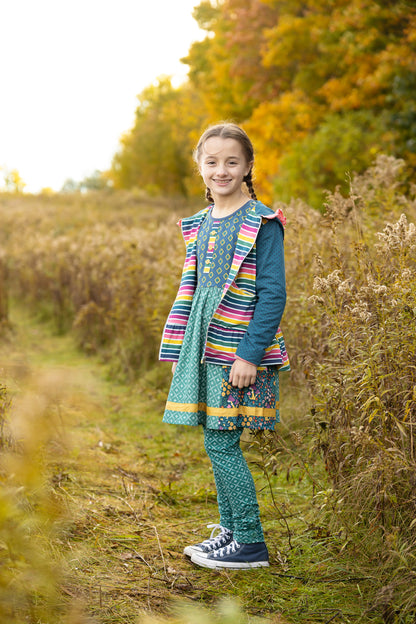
[[13, 182], [272, 127]]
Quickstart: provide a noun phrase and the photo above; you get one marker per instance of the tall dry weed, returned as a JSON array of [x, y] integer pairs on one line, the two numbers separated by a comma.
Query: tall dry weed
[[4, 408], [4, 295], [363, 381]]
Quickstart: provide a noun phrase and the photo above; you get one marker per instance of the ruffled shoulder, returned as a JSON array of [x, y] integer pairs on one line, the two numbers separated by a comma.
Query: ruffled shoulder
[[277, 215], [267, 213]]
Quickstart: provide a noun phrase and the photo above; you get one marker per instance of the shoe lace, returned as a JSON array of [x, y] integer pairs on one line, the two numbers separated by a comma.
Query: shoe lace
[[218, 540], [227, 550]]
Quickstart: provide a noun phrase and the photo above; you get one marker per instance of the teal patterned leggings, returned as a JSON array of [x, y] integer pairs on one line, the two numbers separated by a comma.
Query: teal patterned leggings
[[236, 494]]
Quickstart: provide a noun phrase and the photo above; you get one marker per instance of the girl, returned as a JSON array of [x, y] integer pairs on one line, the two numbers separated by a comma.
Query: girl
[[223, 338]]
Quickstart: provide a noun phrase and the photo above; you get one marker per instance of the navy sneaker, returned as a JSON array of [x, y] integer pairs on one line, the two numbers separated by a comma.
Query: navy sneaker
[[203, 549], [236, 556]]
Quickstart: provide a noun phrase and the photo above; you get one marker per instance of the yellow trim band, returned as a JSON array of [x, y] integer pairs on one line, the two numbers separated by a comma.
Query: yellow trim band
[[228, 412]]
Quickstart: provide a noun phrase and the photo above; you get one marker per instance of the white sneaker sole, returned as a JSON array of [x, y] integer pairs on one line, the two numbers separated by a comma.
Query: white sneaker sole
[[191, 550], [204, 562]]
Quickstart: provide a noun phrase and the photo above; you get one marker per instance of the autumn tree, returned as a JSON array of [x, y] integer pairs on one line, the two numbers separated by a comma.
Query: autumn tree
[[13, 182], [156, 155], [226, 66], [295, 72]]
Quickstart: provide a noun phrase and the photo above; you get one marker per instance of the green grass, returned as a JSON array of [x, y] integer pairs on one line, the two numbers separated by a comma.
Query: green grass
[[136, 491]]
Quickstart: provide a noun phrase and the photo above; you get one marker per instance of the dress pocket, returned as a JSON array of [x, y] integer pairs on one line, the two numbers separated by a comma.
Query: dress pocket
[[263, 393]]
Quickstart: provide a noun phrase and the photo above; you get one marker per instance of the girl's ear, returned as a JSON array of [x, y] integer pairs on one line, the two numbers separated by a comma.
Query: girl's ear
[[249, 167]]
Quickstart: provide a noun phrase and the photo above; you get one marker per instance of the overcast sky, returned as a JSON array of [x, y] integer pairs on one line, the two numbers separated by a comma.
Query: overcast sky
[[70, 72]]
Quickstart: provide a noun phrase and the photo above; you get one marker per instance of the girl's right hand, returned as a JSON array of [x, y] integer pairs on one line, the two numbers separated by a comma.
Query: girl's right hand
[[174, 365], [242, 373]]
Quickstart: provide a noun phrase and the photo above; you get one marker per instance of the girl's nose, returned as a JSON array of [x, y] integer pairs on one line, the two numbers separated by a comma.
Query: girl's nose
[[221, 170]]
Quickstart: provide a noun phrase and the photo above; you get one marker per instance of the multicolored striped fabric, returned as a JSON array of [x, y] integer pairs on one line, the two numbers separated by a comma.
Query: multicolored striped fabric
[[236, 308]]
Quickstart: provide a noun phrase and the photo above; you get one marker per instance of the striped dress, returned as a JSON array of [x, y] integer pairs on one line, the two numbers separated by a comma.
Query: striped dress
[[200, 392]]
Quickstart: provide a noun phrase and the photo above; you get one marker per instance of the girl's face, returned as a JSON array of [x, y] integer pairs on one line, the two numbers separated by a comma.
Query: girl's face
[[223, 166]]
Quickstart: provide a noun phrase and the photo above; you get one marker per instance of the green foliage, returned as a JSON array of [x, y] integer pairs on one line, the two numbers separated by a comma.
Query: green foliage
[[227, 611], [97, 181], [226, 68], [156, 155], [342, 143], [206, 15], [403, 115]]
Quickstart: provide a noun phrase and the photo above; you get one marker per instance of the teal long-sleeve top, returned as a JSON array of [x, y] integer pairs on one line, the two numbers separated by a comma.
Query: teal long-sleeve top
[[270, 293]]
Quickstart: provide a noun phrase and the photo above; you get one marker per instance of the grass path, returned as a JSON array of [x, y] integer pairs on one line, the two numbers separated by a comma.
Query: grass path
[[137, 491]]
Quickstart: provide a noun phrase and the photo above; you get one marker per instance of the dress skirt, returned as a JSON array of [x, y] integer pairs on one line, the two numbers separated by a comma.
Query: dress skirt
[[200, 393]]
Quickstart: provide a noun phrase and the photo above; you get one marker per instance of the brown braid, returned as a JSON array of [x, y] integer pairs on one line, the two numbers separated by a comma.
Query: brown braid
[[248, 179], [208, 195]]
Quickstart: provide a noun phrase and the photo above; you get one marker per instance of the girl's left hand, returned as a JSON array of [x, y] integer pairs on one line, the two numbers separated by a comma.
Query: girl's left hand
[[242, 374]]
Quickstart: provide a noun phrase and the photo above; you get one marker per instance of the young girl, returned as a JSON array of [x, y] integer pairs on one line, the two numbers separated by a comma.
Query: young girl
[[224, 340]]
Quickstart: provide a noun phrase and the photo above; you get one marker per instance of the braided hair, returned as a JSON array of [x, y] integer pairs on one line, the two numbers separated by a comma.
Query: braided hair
[[248, 179], [228, 131]]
